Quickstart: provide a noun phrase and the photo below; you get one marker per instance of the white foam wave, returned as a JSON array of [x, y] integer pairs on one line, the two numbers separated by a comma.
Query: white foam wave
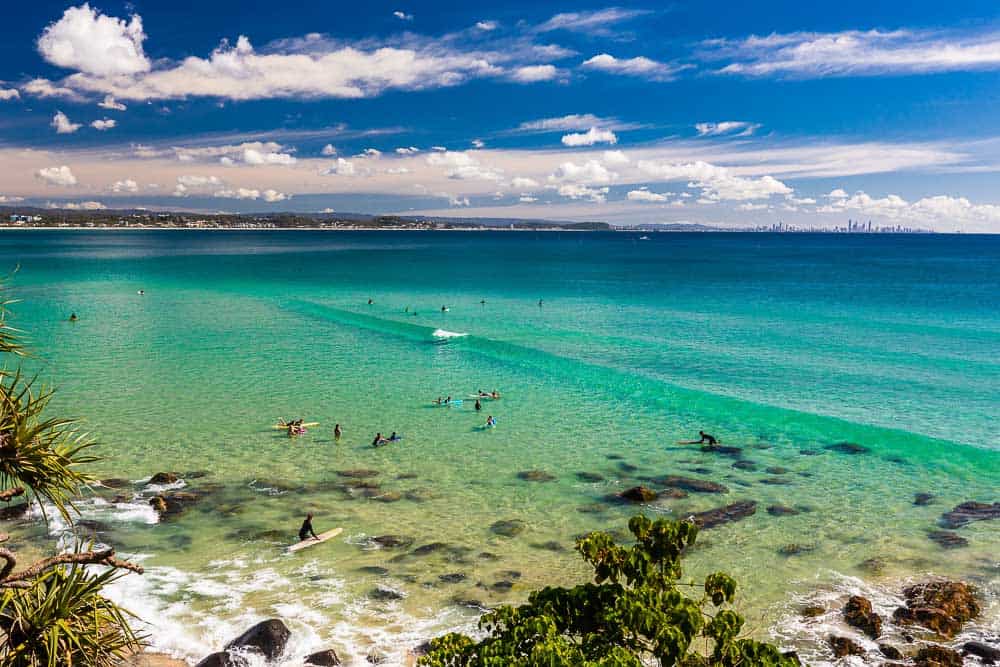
[[444, 333]]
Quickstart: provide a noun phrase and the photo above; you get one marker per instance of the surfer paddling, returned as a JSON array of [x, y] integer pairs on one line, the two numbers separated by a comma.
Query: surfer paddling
[[707, 439], [307, 529]]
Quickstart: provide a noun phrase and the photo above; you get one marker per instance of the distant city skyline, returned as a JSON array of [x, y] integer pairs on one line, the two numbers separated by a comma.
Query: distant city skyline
[[747, 117]]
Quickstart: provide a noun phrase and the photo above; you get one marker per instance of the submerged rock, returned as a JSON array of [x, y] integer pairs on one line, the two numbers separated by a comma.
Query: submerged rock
[[722, 450], [745, 465], [388, 497], [508, 527], [947, 539], [849, 448], [638, 494], [937, 656], [535, 476], [858, 612], [723, 515], [116, 483], [781, 510], [385, 594], [890, 651], [691, 484], [775, 481], [921, 499], [268, 638], [358, 473], [842, 646], [776, 470], [452, 578], [589, 477], [374, 569], [795, 549], [164, 478], [551, 545], [968, 512], [812, 611], [393, 541], [503, 586], [591, 508], [809, 452], [627, 467]]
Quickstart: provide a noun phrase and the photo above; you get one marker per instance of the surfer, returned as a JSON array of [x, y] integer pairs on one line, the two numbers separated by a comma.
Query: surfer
[[379, 440], [495, 394], [438, 401], [447, 401], [490, 422], [444, 309], [707, 439], [479, 406], [73, 317], [337, 432], [370, 302], [141, 292], [394, 438], [307, 529]]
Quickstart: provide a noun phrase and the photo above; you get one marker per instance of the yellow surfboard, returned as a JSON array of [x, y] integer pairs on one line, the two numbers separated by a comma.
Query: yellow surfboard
[[323, 537]]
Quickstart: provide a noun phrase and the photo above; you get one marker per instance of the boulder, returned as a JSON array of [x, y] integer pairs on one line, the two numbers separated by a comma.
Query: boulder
[[858, 612], [723, 515], [535, 476], [812, 611], [849, 448], [947, 539], [385, 594], [968, 512], [589, 477], [223, 659], [937, 656], [842, 646], [931, 618], [691, 484], [164, 478], [118, 482], [508, 527], [890, 651], [268, 638], [781, 510], [988, 654], [327, 658], [921, 499], [393, 541], [638, 494], [955, 598]]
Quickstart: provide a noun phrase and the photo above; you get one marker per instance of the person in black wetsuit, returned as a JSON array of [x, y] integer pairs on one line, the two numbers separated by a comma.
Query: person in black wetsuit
[[479, 406], [707, 439], [307, 529]]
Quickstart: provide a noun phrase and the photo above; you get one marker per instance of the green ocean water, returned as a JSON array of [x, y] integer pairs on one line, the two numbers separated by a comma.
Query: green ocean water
[[607, 350]]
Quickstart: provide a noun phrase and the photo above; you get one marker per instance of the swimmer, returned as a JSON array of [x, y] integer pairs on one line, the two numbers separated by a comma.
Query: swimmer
[[490, 422], [73, 317], [337, 432], [479, 405]]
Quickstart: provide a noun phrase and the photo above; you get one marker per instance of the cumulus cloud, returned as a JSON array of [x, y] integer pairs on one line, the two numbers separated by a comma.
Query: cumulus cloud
[[187, 182], [372, 153], [253, 156], [645, 196], [77, 206], [577, 191], [328, 150], [109, 102], [856, 53], [272, 196], [487, 26], [44, 88], [57, 176], [738, 128], [62, 124], [943, 211], [341, 167], [615, 158], [9, 94], [534, 73], [87, 41], [402, 16], [590, 137], [716, 183], [523, 183], [590, 172], [478, 143], [237, 193], [459, 165], [104, 124], [407, 150], [126, 185], [639, 66], [10, 199]]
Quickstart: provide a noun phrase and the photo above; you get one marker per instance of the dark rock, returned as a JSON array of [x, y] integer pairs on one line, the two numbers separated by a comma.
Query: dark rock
[[735, 452], [989, 654], [776, 470], [508, 527], [672, 493], [638, 494], [509, 574], [359, 473], [385, 594], [406, 475], [775, 481], [164, 478], [503, 586], [842, 646], [627, 467], [535, 476], [858, 612], [327, 658], [849, 448], [723, 515], [921, 499], [589, 477], [452, 578], [551, 545], [488, 555], [422, 649], [812, 611], [196, 474], [691, 484], [781, 510], [947, 539], [430, 548], [931, 618], [374, 569], [795, 549], [793, 656], [745, 465], [393, 541], [116, 483], [376, 658], [890, 651], [222, 659], [955, 599], [13, 511], [937, 656], [809, 452], [591, 508], [388, 497], [268, 638], [468, 602], [968, 512]]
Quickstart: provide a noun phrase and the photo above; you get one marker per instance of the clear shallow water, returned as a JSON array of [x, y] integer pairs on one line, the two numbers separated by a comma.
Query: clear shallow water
[[777, 344]]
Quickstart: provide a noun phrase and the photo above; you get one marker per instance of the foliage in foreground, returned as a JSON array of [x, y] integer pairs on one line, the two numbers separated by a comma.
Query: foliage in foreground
[[634, 614], [52, 611]]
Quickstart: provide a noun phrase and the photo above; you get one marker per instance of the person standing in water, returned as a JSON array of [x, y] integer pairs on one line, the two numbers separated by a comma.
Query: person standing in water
[[307, 529], [490, 422], [479, 406], [337, 432]]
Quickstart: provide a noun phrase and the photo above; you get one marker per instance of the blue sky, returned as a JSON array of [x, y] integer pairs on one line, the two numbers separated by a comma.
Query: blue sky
[[681, 112]]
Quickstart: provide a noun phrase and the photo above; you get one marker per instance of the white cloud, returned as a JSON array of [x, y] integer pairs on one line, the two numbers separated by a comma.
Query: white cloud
[[577, 191], [328, 150], [590, 172], [638, 66], [237, 193], [837, 193], [407, 150], [105, 124], [126, 185], [44, 88], [372, 153], [402, 16], [590, 137], [534, 73], [87, 41], [63, 125], [397, 171], [615, 158], [111, 104], [523, 183], [478, 143], [187, 182], [728, 127], [253, 156], [570, 122], [487, 26], [715, 182], [341, 167], [460, 165], [645, 196], [857, 53], [9, 94], [272, 196], [5, 199], [597, 22], [453, 200], [752, 207], [527, 199], [57, 176], [78, 206]]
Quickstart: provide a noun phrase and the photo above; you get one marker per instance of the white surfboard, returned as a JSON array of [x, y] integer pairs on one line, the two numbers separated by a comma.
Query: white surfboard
[[323, 537]]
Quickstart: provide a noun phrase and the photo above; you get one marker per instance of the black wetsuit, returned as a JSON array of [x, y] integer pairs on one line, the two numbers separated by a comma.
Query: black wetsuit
[[708, 439], [306, 530]]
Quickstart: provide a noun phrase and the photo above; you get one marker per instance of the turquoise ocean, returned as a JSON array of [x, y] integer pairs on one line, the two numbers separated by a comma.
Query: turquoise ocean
[[608, 350]]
